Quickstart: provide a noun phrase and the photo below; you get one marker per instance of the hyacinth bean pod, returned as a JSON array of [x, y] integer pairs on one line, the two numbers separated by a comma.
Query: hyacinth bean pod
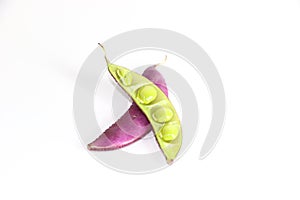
[[155, 105]]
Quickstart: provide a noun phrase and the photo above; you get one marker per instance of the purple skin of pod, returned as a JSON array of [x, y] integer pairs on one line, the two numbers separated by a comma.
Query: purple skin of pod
[[133, 125]]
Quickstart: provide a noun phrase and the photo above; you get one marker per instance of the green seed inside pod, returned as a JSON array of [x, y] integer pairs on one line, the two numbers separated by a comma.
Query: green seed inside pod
[[170, 132], [162, 114], [147, 94], [125, 77]]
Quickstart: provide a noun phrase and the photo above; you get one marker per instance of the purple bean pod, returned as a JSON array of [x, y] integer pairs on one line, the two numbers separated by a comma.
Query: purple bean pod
[[133, 125]]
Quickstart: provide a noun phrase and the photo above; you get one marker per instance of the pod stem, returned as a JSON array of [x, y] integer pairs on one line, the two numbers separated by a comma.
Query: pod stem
[[162, 62], [106, 59]]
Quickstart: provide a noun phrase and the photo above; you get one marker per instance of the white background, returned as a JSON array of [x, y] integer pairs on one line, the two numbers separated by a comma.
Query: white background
[[255, 46]]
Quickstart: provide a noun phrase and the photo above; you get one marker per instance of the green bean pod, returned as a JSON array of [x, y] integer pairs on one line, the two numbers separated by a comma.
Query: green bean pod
[[155, 105]]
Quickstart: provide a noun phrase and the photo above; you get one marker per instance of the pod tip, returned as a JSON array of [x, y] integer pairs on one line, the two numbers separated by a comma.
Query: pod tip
[[170, 161]]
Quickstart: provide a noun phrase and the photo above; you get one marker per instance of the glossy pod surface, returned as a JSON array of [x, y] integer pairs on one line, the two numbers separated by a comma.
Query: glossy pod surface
[[155, 105]]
